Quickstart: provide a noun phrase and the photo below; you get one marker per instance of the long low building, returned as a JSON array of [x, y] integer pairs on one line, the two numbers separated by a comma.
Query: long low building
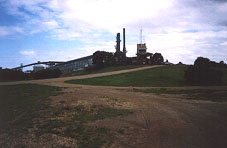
[[75, 65]]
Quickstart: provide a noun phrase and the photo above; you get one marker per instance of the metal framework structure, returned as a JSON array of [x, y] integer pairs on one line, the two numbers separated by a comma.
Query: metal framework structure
[[49, 63], [118, 40], [141, 48]]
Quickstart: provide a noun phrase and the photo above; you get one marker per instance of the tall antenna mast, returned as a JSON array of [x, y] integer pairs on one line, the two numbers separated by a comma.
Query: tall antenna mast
[[141, 35]]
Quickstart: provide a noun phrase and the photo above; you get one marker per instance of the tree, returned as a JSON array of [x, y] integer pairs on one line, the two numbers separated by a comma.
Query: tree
[[180, 63], [13, 75], [46, 73], [203, 72], [222, 64], [157, 59], [202, 62], [102, 58]]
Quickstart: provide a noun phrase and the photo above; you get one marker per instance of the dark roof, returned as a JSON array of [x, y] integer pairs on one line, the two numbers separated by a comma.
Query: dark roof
[[75, 60], [37, 63]]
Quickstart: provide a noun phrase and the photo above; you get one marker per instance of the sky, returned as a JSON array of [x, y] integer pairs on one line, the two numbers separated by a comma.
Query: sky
[[62, 30]]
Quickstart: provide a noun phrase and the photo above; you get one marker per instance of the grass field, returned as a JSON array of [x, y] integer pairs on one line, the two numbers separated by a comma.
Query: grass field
[[192, 94], [161, 76], [102, 70], [19, 103], [167, 76]]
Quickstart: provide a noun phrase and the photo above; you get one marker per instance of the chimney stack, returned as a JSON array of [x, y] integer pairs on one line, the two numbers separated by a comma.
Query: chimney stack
[[118, 40], [124, 48]]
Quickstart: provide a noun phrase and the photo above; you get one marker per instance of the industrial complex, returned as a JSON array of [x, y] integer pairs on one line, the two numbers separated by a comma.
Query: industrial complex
[[75, 65], [81, 63]]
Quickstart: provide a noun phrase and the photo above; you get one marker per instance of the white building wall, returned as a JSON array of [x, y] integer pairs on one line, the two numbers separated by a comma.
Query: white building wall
[[75, 65]]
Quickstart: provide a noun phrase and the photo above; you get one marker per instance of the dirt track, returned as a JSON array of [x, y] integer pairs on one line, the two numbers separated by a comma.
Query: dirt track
[[158, 122]]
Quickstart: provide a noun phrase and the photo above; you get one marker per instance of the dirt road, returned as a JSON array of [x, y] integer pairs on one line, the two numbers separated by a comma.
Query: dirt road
[[158, 121]]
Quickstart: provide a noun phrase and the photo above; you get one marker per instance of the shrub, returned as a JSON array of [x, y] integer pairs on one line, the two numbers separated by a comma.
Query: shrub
[[102, 58], [46, 73], [13, 75], [157, 59], [203, 72]]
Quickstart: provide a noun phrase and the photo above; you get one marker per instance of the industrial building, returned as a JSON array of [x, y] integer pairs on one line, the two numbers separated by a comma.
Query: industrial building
[[81, 63], [119, 58], [141, 48], [75, 65], [38, 68]]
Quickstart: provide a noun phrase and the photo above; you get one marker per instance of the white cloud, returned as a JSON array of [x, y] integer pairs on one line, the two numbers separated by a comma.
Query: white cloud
[[27, 52], [224, 43], [51, 24], [5, 31], [180, 29], [110, 14], [64, 34]]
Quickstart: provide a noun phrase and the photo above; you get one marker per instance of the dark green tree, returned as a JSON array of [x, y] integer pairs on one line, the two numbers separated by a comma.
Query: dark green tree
[[203, 72], [157, 59], [102, 58]]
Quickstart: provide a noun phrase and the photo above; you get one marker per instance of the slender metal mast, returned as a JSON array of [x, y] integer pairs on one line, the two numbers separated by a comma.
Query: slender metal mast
[[141, 35]]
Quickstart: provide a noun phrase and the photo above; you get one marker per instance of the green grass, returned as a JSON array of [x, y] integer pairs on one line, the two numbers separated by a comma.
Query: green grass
[[88, 137], [160, 76], [102, 70], [98, 113], [193, 94], [19, 103]]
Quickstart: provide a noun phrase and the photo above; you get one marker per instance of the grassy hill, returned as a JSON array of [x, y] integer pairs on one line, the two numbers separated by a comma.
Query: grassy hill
[[102, 70], [161, 76], [225, 77], [157, 77]]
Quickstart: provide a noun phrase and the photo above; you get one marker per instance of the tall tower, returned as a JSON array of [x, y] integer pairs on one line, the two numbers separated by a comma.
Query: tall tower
[[141, 48], [118, 40], [141, 36], [124, 46]]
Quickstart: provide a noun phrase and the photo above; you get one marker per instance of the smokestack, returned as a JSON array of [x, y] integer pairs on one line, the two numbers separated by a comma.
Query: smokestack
[[124, 48], [118, 46]]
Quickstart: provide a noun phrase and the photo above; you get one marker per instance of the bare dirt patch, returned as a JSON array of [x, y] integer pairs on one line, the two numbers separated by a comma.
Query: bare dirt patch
[[157, 121]]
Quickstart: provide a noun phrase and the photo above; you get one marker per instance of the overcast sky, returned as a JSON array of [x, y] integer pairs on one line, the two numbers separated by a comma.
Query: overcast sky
[[61, 30]]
